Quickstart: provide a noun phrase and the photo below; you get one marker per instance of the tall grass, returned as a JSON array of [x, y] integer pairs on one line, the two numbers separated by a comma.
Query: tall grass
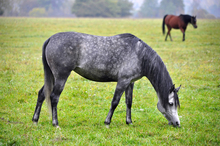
[[83, 105]]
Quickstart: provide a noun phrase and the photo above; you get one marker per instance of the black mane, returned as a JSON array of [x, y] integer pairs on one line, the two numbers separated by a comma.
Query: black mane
[[126, 35], [156, 72], [185, 18]]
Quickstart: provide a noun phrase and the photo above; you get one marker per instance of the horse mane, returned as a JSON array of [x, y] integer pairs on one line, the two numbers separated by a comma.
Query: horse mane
[[186, 18], [126, 35], [156, 72]]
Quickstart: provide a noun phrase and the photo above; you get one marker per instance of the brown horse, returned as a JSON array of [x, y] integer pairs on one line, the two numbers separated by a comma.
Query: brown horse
[[178, 22]]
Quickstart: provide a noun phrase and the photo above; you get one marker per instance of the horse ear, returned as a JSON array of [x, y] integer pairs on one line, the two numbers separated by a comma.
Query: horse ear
[[177, 89], [172, 88]]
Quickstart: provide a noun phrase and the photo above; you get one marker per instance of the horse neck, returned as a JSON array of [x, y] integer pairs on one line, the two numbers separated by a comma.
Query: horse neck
[[156, 72], [186, 18]]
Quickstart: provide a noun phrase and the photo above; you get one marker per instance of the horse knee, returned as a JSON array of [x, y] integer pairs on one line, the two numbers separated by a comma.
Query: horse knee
[[41, 96], [57, 90], [128, 101], [129, 105], [115, 104], [54, 99]]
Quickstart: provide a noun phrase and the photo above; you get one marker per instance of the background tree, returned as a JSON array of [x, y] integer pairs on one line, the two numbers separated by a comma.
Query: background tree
[[200, 12], [102, 8], [42, 7], [125, 7], [3, 6], [174, 7], [149, 9], [179, 6]]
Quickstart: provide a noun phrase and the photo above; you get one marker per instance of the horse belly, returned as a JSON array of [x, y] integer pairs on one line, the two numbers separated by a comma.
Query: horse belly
[[174, 25], [96, 74]]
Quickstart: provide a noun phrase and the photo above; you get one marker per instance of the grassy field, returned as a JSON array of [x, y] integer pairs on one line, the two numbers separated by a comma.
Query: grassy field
[[83, 105]]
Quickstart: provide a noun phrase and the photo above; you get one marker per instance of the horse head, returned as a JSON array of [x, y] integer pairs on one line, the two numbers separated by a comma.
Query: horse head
[[170, 111], [193, 21]]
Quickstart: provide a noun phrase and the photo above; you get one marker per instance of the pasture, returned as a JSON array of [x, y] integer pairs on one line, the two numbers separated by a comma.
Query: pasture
[[83, 105]]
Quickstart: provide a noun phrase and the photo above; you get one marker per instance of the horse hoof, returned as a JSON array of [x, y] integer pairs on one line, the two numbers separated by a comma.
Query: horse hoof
[[35, 123], [130, 124], [107, 126], [58, 127]]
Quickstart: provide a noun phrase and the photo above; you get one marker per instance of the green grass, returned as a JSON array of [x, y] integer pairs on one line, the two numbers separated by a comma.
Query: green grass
[[83, 105]]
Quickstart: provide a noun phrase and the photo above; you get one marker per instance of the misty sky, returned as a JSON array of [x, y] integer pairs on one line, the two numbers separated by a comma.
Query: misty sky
[[205, 4]]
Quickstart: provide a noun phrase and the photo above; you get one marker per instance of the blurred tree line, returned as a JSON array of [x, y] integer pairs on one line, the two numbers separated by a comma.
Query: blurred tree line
[[202, 13], [102, 8], [35, 7], [80, 8], [153, 9]]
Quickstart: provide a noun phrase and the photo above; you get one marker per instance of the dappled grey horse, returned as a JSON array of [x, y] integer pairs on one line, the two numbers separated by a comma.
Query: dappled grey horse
[[123, 58]]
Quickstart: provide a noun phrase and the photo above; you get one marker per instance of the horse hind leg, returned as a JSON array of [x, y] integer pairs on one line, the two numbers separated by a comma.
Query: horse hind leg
[[169, 34], [128, 101], [171, 37], [57, 90], [40, 101]]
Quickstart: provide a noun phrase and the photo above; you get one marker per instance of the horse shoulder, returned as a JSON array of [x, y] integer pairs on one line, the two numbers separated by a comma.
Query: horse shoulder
[[182, 24]]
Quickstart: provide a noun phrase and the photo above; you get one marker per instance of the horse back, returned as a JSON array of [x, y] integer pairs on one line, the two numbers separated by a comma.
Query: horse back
[[96, 58], [174, 21]]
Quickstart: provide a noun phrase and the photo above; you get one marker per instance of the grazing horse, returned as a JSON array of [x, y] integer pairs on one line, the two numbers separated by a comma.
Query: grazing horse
[[123, 58], [178, 22]]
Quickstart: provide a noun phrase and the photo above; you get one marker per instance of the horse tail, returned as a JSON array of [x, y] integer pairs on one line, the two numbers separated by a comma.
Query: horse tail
[[48, 78], [163, 25]]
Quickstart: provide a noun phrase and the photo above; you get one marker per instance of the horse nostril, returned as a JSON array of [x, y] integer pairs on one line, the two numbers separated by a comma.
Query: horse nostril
[[177, 123]]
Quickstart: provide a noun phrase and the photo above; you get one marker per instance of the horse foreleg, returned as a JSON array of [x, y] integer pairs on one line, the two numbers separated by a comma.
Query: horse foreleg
[[128, 101], [183, 31], [120, 88], [184, 36], [40, 101]]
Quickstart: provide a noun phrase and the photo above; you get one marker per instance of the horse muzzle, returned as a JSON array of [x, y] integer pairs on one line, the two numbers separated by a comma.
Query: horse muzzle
[[173, 119], [175, 124]]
